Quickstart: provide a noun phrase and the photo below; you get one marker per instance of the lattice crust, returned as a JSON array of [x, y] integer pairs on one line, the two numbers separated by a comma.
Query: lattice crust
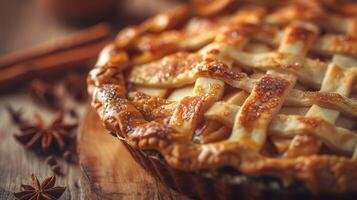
[[262, 88]]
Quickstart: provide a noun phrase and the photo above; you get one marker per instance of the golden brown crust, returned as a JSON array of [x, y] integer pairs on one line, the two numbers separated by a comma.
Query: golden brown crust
[[217, 63], [266, 90]]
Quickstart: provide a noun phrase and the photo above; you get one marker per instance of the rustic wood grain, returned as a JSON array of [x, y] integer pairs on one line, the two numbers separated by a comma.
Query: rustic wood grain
[[109, 171], [17, 163], [24, 24]]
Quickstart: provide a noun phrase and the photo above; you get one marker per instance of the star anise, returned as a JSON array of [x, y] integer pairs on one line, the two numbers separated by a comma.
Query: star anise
[[16, 115], [55, 137], [43, 191], [76, 86], [44, 94]]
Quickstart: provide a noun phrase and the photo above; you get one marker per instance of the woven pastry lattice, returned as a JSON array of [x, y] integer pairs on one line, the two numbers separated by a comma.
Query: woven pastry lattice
[[265, 88]]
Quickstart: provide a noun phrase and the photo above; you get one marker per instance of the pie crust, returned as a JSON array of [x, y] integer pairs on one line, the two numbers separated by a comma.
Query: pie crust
[[264, 87]]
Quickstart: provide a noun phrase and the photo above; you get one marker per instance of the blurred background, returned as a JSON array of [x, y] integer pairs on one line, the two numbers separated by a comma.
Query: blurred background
[[38, 40], [25, 23]]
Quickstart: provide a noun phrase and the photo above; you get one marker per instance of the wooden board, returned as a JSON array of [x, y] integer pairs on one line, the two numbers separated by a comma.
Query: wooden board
[[18, 163], [109, 171], [29, 25]]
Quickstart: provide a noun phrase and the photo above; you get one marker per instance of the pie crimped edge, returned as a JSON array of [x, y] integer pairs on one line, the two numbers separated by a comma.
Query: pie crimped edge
[[207, 60]]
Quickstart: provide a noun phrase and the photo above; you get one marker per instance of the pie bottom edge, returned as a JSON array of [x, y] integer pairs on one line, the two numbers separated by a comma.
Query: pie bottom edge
[[221, 184]]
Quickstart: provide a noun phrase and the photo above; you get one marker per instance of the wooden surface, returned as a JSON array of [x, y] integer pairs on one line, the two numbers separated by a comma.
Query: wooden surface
[[24, 24], [17, 164], [109, 171]]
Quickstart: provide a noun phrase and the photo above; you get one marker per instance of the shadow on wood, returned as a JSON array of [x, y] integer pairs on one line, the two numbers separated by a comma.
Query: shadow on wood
[[109, 171]]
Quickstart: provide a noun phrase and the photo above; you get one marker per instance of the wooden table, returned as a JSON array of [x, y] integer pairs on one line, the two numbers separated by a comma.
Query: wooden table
[[17, 164], [24, 24], [109, 170]]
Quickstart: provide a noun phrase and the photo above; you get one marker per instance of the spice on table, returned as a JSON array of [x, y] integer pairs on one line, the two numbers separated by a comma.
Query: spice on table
[[44, 94], [70, 157], [72, 52], [77, 184], [57, 169], [16, 115], [73, 113], [51, 160], [76, 86], [43, 191], [53, 138]]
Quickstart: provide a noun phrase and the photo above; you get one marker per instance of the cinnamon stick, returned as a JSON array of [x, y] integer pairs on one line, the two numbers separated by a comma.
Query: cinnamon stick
[[87, 36], [72, 52]]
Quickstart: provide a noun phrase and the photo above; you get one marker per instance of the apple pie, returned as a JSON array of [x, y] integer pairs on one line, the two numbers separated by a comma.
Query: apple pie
[[255, 96]]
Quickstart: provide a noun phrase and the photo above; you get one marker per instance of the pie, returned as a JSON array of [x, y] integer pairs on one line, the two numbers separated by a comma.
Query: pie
[[262, 89]]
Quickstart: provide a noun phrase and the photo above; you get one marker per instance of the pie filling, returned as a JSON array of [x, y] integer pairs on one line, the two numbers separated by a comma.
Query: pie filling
[[264, 89]]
